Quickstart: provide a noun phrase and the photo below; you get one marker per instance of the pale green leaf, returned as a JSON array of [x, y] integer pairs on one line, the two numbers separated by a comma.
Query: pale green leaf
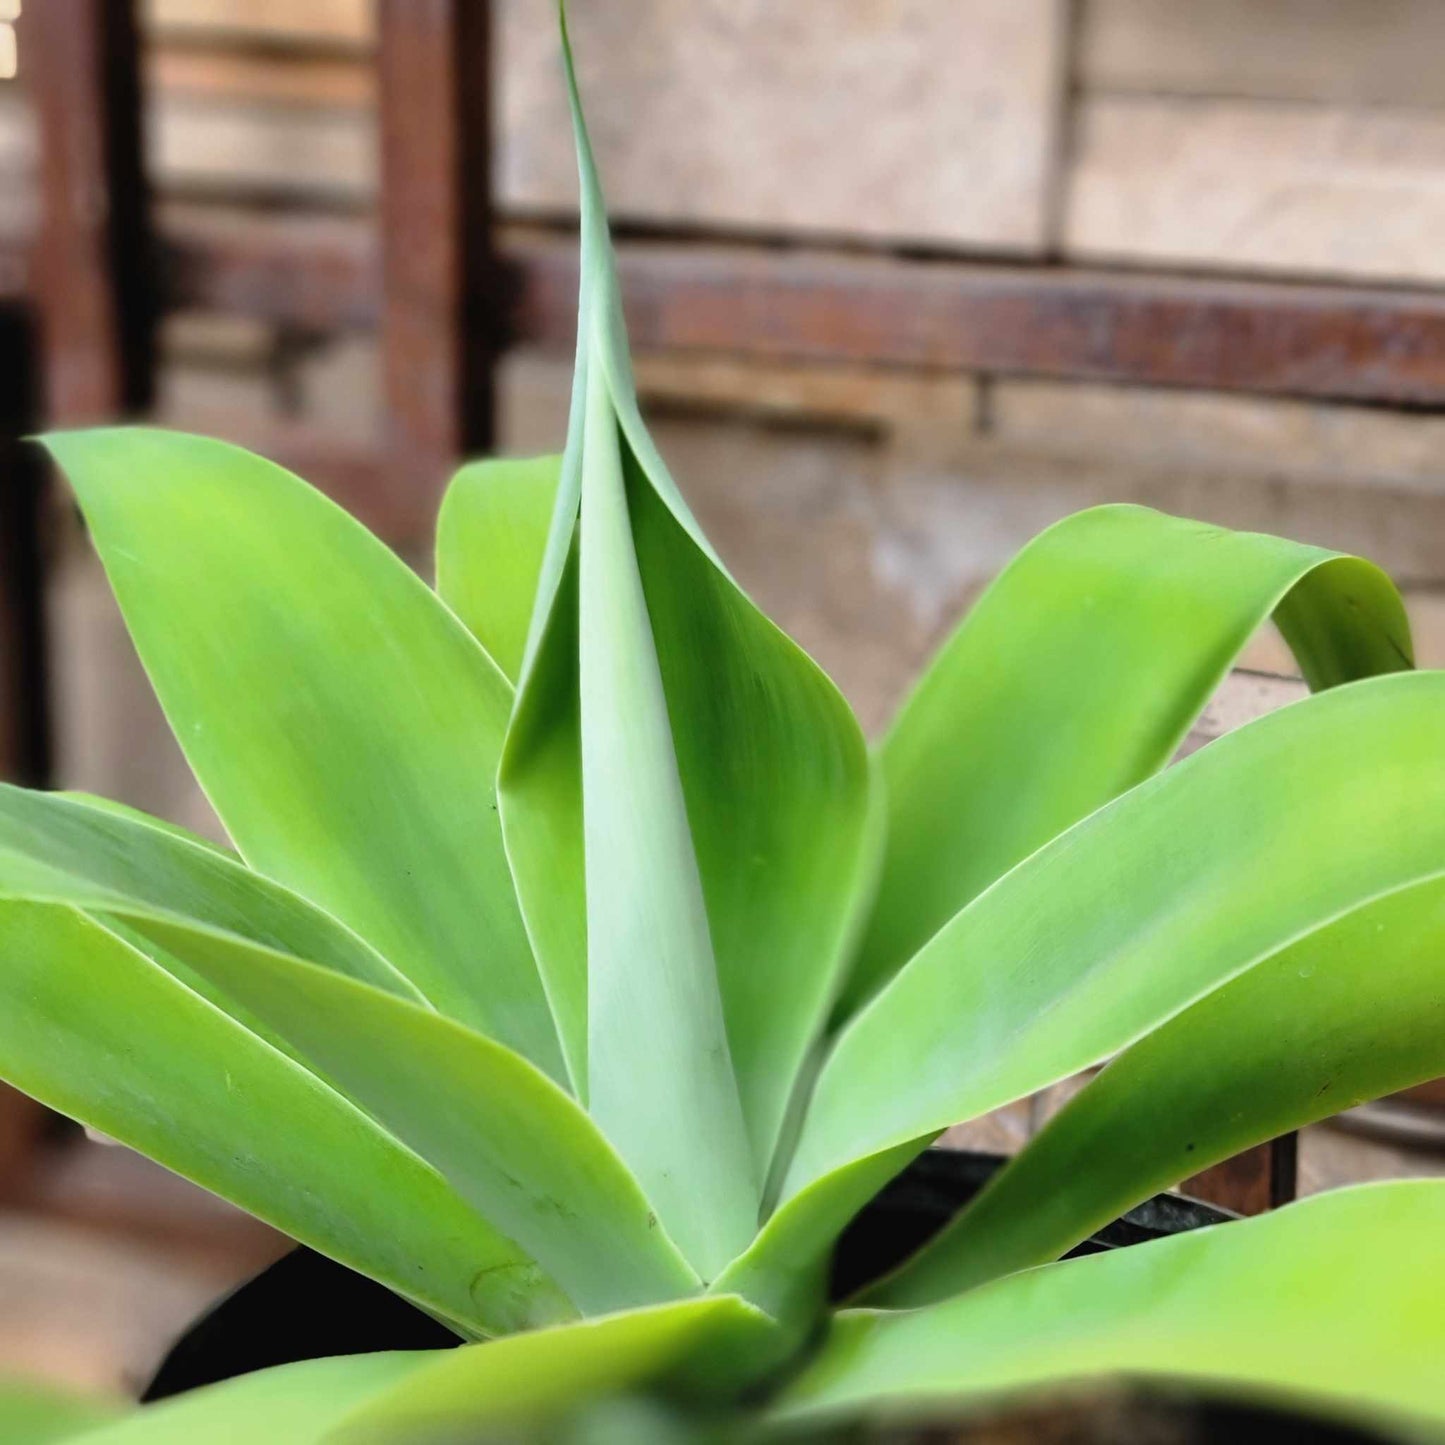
[[1333, 1302], [1117, 925], [94, 1029], [298, 1404], [1076, 676], [63, 850], [139, 815], [342, 721], [491, 536], [671, 1106], [506, 1137], [1347, 1013], [32, 1413], [514, 1385]]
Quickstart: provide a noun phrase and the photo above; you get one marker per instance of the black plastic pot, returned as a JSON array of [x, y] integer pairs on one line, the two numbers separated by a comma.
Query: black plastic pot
[[305, 1306]]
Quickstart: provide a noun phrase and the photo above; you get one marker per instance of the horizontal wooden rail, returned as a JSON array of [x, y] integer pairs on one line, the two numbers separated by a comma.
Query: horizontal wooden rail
[[1342, 343]]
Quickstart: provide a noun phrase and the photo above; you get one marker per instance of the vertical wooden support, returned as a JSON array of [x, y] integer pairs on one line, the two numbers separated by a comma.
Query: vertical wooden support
[[1261, 1178], [24, 732], [92, 361], [23, 716], [96, 296], [439, 334]]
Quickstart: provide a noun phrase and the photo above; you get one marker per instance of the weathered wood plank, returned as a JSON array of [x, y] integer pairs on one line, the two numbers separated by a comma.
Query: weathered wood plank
[[349, 22], [295, 154], [1348, 192], [260, 77], [927, 121], [1339, 344], [1344, 344], [1371, 51]]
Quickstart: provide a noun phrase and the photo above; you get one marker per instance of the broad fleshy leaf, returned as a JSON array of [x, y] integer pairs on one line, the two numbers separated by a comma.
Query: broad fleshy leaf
[[491, 535], [32, 1413], [63, 850], [93, 1028], [297, 1404], [511, 1386], [1347, 1013], [507, 1138], [1075, 677], [1122, 922], [1333, 1302], [342, 721], [686, 797]]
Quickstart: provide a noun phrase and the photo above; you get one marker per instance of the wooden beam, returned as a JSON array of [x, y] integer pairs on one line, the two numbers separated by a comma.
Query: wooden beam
[[1343, 344], [439, 284], [92, 268], [1259, 1179], [1337, 343]]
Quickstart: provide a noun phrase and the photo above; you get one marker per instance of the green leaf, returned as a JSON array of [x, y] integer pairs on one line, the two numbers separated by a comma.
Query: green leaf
[[491, 536], [1347, 1013], [289, 1405], [1075, 677], [62, 850], [507, 1138], [96, 1030], [670, 1106], [509, 1385], [1334, 1301], [696, 819], [342, 721], [138, 815], [1122, 922], [37, 1414]]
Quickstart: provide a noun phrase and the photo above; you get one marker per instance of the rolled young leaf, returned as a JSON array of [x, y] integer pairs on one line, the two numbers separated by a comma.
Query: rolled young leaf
[[1333, 1302], [1076, 676], [1122, 922], [686, 796], [507, 1138], [94, 1029], [1346, 1013], [342, 721], [491, 535]]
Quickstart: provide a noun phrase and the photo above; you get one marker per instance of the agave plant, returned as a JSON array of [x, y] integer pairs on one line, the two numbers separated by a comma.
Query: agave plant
[[580, 972]]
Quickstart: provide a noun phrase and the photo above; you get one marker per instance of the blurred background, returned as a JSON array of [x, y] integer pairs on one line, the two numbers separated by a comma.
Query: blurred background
[[908, 280]]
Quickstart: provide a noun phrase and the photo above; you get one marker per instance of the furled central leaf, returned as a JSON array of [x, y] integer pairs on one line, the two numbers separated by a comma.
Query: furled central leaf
[[685, 802]]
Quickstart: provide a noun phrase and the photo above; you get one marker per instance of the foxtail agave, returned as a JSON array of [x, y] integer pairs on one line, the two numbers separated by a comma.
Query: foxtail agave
[[580, 971]]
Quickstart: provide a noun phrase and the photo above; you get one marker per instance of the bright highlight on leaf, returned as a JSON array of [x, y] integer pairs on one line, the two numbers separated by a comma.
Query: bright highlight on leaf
[[579, 973]]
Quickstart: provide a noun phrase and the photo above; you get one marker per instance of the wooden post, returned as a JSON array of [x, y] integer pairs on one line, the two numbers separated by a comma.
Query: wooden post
[[439, 306], [94, 261], [1259, 1179], [92, 361], [24, 733]]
